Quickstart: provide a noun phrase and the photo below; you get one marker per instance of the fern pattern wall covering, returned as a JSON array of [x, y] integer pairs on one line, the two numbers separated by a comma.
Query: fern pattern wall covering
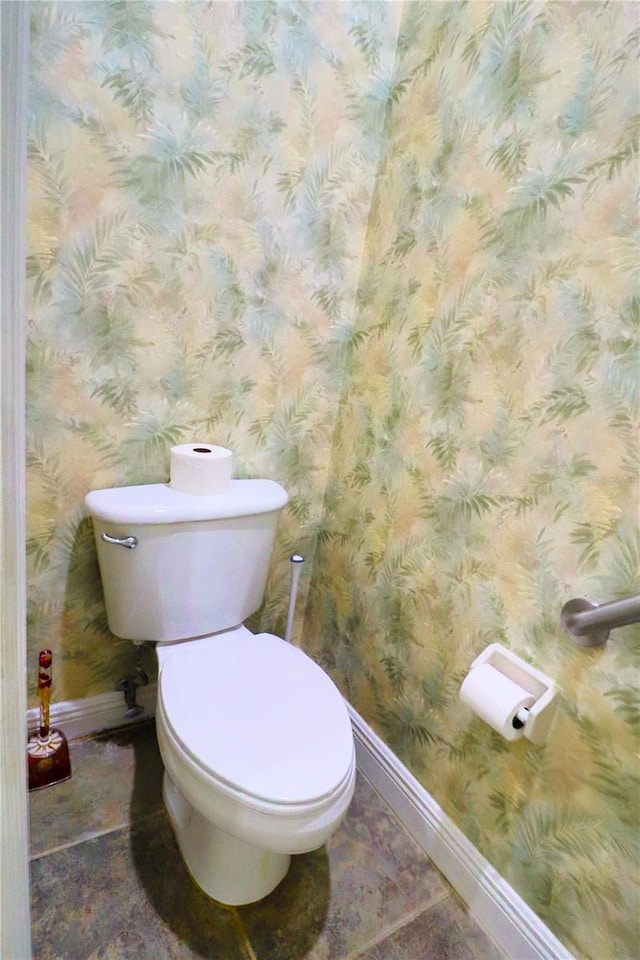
[[200, 181], [392, 264], [485, 465]]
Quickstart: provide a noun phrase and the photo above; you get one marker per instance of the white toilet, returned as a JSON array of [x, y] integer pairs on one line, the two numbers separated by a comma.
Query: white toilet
[[255, 738]]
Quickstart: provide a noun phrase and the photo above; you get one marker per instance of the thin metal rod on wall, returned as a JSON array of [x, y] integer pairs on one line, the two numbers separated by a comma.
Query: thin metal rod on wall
[[589, 623]]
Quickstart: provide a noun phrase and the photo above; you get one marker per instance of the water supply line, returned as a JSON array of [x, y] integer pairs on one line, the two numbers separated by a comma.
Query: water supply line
[[129, 686], [296, 562]]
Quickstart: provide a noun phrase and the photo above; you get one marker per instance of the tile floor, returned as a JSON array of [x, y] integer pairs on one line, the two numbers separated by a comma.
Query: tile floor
[[108, 883]]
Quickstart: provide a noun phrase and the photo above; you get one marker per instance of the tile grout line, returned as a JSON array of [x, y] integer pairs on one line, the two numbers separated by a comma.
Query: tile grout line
[[94, 836], [402, 826], [244, 936], [398, 925]]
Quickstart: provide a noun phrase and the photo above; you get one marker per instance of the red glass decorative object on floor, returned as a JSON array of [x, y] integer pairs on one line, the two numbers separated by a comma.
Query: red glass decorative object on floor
[[47, 750]]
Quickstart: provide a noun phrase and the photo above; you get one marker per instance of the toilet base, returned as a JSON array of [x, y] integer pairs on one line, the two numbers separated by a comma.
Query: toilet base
[[226, 868]]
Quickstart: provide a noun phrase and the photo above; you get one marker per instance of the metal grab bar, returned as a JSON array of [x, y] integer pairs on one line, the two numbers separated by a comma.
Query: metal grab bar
[[589, 623]]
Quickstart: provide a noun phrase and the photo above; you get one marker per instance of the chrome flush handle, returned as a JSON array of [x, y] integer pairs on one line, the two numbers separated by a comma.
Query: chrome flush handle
[[129, 542]]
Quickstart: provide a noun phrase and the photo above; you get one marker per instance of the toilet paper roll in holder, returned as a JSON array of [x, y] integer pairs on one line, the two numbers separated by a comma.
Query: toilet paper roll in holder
[[536, 720]]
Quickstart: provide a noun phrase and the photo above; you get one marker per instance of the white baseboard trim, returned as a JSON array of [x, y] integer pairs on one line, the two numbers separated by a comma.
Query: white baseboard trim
[[505, 916], [92, 715]]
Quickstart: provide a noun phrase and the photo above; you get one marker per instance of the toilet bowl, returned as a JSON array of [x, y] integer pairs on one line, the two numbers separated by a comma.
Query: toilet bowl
[[255, 738], [259, 759]]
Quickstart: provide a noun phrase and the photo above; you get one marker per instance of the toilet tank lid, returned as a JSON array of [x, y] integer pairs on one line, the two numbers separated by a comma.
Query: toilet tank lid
[[159, 503]]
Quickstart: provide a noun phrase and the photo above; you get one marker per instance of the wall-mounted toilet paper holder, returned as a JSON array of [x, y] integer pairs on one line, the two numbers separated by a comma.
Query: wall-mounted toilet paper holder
[[538, 717]]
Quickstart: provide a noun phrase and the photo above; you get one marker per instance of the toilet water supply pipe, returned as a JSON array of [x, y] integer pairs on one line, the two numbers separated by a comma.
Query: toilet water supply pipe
[[296, 569]]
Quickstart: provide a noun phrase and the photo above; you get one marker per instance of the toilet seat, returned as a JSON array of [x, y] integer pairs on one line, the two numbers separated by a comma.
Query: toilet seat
[[258, 716]]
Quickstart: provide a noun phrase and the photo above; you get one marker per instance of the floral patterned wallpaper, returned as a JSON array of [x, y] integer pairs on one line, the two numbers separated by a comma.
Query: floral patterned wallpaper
[[386, 253]]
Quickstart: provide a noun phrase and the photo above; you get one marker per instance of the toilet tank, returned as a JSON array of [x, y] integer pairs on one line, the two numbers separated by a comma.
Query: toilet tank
[[189, 565]]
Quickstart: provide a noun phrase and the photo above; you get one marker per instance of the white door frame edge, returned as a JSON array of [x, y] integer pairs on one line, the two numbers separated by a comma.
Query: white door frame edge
[[15, 934]]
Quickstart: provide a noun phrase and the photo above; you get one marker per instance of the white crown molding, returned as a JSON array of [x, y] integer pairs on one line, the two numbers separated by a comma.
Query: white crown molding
[[502, 912]]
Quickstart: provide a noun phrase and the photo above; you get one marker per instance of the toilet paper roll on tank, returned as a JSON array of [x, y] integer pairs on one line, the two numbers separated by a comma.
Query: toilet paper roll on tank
[[201, 469]]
